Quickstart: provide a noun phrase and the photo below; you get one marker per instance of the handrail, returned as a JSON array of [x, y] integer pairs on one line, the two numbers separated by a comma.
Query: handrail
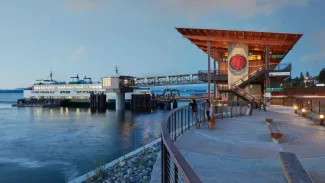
[[169, 129], [174, 167], [249, 74]]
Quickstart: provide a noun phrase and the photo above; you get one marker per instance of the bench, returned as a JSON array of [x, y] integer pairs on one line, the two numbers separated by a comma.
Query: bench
[[275, 133], [293, 169], [268, 120]]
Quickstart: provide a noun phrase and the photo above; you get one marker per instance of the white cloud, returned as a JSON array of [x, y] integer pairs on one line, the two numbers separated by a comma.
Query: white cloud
[[240, 8], [319, 55], [78, 53], [85, 5]]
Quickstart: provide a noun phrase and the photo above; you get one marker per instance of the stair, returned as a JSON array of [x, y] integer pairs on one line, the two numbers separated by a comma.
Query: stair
[[236, 88]]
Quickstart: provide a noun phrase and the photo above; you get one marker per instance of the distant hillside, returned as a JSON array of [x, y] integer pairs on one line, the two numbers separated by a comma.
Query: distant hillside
[[18, 90]]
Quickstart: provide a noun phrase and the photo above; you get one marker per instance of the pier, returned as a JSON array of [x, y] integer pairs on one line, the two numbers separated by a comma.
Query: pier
[[261, 146]]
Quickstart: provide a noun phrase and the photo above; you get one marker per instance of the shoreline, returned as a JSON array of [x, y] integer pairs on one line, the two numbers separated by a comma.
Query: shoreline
[[121, 162]]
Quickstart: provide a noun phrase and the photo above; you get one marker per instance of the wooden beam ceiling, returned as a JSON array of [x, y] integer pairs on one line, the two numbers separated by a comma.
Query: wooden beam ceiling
[[263, 41]]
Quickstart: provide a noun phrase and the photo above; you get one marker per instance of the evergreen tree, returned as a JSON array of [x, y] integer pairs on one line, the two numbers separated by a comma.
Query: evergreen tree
[[321, 76], [302, 77], [307, 74]]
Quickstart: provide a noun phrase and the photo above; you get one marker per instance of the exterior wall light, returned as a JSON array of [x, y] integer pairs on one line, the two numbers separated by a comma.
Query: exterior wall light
[[321, 118], [295, 107], [303, 112]]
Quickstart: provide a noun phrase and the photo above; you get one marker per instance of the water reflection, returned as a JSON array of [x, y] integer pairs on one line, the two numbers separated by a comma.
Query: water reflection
[[75, 136]]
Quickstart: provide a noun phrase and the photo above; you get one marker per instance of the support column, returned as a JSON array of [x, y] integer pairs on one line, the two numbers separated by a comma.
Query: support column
[[215, 72], [267, 68], [120, 101], [209, 74]]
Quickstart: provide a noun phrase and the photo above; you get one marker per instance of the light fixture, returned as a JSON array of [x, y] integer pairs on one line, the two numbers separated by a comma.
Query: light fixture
[[321, 117], [295, 107], [303, 112]]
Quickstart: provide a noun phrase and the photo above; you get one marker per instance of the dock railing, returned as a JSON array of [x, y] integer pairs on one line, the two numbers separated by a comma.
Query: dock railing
[[174, 167], [312, 105]]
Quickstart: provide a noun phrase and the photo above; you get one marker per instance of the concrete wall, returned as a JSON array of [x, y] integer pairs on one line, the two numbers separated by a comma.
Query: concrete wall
[[255, 90], [235, 49]]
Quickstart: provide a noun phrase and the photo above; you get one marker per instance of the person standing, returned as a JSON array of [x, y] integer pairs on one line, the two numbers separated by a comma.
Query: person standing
[[195, 111], [207, 108]]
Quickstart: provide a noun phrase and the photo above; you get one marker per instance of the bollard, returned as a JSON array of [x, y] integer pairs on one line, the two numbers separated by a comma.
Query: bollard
[[321, 119]]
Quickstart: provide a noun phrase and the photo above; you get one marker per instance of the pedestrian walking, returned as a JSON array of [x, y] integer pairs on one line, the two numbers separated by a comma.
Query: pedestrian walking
[[195, 111], [207, 108]]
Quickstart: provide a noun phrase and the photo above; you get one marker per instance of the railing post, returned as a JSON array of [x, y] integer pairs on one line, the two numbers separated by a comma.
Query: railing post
[[188, 118], [230, 109], [162, 159], [283, 101], [168, 125], [174, 124], [222, 110], [164, 164], [178, 119], [182, 114], [175, 174]]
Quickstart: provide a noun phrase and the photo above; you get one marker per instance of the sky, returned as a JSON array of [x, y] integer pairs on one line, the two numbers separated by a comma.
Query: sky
[[90, 37]]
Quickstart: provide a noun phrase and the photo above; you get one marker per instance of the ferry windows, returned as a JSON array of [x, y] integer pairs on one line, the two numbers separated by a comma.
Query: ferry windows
[[64, 92], [107, 82]]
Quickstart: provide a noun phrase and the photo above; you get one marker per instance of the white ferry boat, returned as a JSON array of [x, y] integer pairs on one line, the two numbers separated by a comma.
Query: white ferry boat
[[75, 90]]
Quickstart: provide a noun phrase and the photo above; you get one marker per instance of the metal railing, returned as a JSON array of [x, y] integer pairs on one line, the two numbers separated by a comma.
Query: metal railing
[[174, 167], [249, 75], [312, 105], [213, 72]]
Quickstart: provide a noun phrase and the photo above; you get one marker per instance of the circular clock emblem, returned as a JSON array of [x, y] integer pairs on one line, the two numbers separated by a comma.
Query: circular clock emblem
[[237, 64]]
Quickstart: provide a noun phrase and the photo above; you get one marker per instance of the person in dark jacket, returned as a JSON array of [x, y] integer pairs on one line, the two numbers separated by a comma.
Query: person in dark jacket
[[194, 106], [207, 108], [175, 104]]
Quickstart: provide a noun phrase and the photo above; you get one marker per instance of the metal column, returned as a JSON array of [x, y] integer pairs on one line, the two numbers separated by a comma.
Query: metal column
[[209, 74], [267, 68], [215, 72]]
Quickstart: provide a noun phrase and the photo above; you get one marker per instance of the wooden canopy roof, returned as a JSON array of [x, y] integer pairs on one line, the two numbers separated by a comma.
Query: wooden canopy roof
[[280, 43]]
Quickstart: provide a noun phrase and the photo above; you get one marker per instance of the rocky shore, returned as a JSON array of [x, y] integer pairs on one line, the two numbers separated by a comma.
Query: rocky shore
[[136, 168]]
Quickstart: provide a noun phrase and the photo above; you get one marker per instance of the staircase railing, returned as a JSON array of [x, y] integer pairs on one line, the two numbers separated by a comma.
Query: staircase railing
[[249, 75]]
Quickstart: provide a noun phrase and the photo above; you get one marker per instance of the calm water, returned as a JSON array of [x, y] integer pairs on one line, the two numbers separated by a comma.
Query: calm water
[[57, 145]]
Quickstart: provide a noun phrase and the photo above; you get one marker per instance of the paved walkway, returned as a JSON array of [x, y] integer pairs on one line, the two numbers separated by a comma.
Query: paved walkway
[[241, 149]]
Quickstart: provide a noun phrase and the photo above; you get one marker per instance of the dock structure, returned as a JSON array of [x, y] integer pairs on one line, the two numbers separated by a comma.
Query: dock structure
[[247, 62], [119, 85], [98, 102]]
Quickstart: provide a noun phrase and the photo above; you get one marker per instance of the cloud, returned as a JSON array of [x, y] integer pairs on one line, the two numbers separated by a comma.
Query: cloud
[[239, 8], [78, 53], [85, 5], [319, 55]]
